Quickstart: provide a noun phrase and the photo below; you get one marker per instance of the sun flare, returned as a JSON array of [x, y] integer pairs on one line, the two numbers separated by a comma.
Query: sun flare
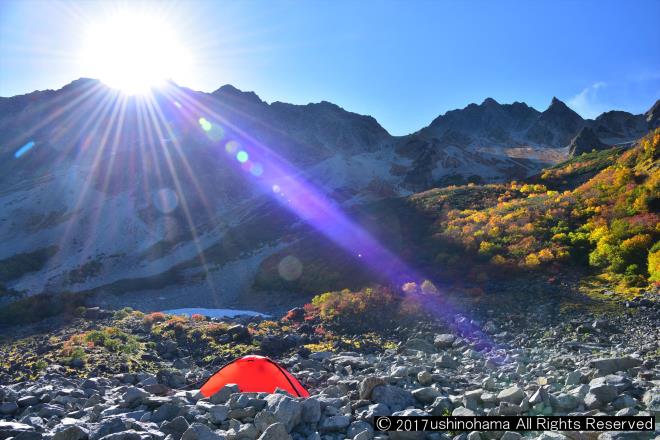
[[134, 52]]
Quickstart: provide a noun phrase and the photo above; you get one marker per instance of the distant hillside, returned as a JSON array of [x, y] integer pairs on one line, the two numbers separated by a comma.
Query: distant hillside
[[609, 222]]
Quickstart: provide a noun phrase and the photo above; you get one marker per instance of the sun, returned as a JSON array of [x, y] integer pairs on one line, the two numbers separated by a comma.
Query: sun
[[134, 52]]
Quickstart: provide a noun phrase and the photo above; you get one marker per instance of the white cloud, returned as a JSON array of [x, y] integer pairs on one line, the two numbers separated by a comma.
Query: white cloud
[[586, 102]]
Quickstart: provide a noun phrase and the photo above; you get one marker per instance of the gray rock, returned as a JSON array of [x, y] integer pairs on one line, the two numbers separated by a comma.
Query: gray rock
[[612, 365], [17, 430], [420, 345], [126, 435], [394, 397], [375, 410], [358, 427], [604, 393], [626, 412], [488, 384], [167, 411], [175, 428], [426, 394], [286, 409], [311, 410], [224, 393], [72, 432], [624, 401], [511, 435], [565, 402], [264, 419], [363, 435], [446, 361], [367, 385], [444, 340], [246, 431], [335, 423], [27, 401], [551, 435], [48, 411], [509, 409], [133, 396], [461, 411], [424, 378], [8, 408], [592, 402], [441, 406], [276, 431], [652, 401], [573, 378], [198, 431], [512, 394], [218, 413], [108, 426]]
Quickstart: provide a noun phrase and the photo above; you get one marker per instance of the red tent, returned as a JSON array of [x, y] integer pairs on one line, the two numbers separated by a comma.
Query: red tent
[[254, 374]]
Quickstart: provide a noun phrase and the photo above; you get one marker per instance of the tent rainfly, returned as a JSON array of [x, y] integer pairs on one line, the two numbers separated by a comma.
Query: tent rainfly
[[254, 374]]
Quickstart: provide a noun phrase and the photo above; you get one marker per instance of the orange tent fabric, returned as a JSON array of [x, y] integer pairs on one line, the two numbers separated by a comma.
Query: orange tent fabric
[[254, 374]]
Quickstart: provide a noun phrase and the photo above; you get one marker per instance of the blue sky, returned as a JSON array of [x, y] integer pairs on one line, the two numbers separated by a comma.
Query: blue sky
[[403, 62]]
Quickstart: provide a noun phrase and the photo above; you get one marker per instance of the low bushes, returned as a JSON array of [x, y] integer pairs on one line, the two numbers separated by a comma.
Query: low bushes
[[367, 309]]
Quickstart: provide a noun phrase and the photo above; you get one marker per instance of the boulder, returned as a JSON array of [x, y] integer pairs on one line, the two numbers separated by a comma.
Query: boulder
[[218, 413], [367, 385], [71, 432], [286, 409], [17, 430], [335, 423], [311, 410], [394, 397], [198, 431], [224, 393], [276, 431], [512, 394], [612, 365], [175, 428], [444, 340]]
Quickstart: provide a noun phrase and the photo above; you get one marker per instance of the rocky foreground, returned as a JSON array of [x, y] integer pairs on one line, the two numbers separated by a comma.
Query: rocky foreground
[[541, 362]]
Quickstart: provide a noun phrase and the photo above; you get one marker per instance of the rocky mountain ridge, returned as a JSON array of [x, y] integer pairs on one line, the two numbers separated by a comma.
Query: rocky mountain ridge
[[103, 194]]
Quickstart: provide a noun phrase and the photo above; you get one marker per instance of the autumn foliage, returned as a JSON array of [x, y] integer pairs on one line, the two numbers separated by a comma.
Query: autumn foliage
[[610, 222]]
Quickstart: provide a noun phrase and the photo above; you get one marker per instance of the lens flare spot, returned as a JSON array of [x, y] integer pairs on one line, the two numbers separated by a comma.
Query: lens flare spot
[[24, 149], [177, 104], [276, 189], [257, 169], [231, 147], [290, 268], [165, 200], [242, 156], [205, 124]]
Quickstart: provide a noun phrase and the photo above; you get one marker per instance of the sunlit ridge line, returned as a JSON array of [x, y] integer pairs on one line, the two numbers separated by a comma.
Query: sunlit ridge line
[[50, 118]]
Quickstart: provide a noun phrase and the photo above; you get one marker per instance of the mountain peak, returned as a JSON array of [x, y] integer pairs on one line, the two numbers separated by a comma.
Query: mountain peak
[[489, 102], [231, 92], [558, 104]]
